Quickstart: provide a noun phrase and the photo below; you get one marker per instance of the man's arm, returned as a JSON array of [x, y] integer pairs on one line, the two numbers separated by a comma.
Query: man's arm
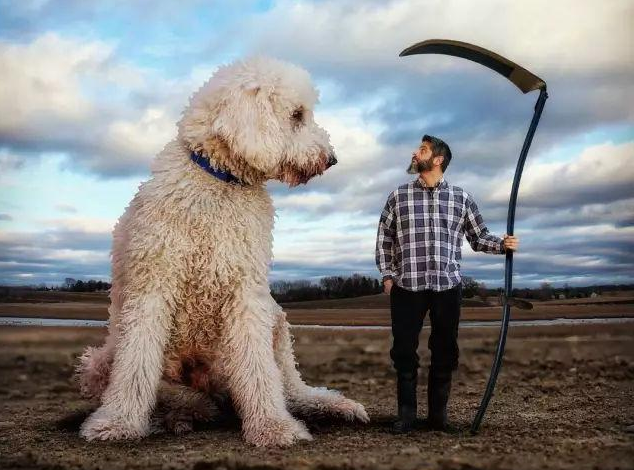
[[384, 254], [477, 232]]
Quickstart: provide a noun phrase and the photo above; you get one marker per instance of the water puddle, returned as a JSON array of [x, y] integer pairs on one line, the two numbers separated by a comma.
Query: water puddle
[[69, 322]]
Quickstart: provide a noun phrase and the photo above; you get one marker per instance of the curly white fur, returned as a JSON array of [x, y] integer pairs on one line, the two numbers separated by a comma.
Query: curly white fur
[[191, 313]]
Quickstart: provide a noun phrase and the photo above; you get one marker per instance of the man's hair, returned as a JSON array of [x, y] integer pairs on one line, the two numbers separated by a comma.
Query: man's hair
[[439, 147]]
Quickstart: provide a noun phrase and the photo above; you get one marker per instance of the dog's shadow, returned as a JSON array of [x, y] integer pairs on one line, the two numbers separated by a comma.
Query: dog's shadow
[[72, 421], [228, 421], [330, 424], [379, 424]]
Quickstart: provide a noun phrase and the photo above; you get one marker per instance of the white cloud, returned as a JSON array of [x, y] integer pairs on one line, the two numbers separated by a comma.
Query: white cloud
[[588, 35], [9, 161], [81, 224], [353, 136], [42, 77], [601, 173], [68, 95], [144, 136], [310, 200], [617, 213], [67, 208]]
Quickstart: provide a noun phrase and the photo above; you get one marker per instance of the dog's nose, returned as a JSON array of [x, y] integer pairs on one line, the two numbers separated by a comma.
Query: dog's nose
[[332, 160]]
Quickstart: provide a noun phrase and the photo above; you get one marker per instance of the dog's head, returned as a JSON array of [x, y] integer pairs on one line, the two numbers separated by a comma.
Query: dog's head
[[255, 119]]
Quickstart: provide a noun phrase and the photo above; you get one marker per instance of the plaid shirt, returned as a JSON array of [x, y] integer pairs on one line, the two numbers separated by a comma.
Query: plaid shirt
[[420, 235]]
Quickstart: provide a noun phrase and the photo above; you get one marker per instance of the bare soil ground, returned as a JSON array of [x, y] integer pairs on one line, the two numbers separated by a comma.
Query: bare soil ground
[[564, 400]]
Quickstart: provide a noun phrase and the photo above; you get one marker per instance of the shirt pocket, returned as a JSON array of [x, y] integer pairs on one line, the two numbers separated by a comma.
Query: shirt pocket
[[454, 218], [447, 223]]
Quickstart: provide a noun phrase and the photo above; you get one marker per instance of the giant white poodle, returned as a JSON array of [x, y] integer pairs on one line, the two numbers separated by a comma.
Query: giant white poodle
[[191, 313]]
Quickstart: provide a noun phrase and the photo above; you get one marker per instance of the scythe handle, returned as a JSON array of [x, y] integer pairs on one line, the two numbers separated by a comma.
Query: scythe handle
[[508, 268]]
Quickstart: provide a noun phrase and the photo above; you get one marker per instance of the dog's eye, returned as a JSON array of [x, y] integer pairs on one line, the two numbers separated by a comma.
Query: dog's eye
[[297, 117]]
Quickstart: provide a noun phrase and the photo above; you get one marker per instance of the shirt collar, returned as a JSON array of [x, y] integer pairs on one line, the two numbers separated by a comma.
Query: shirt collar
[[441, 184]]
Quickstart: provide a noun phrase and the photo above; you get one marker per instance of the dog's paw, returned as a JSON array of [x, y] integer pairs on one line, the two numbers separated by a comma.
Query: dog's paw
[[324, 402], [349, 410], [179, 423], [105, 425], [180, 419], [281, 432]]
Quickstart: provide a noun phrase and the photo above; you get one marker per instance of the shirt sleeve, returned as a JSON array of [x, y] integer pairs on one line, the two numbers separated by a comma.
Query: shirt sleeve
[[385, 238], [477, 233]]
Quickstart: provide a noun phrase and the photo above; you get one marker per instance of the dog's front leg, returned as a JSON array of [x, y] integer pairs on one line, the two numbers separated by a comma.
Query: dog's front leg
[[253, 377], [130, 396], [303, 399]]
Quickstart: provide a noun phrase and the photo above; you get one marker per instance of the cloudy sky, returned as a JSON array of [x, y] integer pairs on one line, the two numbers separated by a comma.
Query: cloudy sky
[[91, 91]]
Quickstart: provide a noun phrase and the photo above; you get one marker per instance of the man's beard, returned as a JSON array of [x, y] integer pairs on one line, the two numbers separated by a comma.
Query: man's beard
[[417, 167]]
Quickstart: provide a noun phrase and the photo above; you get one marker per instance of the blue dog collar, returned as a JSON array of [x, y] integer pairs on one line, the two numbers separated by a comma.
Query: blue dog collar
[[204, 163]]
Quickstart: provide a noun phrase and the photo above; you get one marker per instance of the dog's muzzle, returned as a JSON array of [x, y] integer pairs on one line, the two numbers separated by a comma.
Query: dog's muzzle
[[332, 160]]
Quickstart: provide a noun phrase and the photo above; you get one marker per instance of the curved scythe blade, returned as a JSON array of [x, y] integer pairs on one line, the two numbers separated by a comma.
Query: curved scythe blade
[[526, 82], [519, 76]]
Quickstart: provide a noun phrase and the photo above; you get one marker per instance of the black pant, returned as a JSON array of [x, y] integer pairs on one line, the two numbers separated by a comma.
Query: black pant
[[408, 310]]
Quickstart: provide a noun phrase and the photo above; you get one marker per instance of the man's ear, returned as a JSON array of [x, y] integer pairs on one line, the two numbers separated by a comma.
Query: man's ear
[[442, 157]]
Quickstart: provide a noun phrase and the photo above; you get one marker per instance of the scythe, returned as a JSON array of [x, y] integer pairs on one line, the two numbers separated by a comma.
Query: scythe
[[526, 82]]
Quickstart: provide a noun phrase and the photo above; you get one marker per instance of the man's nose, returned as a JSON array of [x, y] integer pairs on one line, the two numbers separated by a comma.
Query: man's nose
[[332, 160]]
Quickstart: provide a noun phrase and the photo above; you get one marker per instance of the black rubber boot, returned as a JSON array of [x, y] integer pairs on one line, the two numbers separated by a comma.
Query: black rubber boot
[[406, 398], [438, 390]]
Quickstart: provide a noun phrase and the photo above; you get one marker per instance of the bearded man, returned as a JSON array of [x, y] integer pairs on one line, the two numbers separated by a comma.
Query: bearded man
[[417, 253]]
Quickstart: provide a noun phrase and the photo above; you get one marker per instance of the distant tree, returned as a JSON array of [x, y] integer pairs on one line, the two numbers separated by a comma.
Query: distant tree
[[280, 287], [5, 293], [545, 291], [483, 292], [330, 287], [566, 290], [91, 285], [469, 287]]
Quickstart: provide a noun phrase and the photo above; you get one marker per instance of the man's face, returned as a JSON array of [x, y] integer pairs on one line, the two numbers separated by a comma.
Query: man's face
[[422, 159]]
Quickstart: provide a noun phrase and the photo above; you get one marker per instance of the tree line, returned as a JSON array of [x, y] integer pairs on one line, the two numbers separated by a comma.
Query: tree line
[[72, 285], [356, 285], [546, 291], [331, 287]]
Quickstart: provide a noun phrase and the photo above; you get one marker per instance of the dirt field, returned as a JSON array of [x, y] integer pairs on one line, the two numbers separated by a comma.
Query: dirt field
[[564, 400], [369, 310]]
